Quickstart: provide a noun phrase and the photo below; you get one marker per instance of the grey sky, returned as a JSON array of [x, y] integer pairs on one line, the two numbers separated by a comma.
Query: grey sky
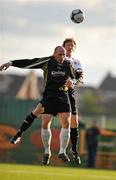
[[33, 28]]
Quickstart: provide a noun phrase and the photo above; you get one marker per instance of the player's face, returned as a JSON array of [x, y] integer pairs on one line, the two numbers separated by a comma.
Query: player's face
[[70, 47], [60, 54]]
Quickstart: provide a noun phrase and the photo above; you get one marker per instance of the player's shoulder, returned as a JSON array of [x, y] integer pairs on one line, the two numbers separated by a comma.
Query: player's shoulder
[[75, 61], [48, 58], [67, 62]]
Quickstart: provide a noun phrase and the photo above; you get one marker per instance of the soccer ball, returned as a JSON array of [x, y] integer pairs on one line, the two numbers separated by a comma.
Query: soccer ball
[[77, 16]]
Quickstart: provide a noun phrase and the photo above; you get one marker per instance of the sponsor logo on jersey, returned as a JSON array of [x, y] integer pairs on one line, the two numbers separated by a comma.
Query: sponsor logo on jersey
[[58, 73]]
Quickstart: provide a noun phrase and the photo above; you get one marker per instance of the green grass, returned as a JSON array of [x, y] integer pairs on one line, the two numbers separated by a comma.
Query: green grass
[[34, 172]]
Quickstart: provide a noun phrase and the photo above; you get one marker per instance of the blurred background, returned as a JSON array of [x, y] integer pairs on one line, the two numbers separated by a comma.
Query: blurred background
[[31, 29]]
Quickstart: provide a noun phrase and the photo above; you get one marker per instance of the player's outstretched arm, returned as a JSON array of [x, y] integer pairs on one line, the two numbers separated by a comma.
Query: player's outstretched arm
[[5, 66], [34, 63]]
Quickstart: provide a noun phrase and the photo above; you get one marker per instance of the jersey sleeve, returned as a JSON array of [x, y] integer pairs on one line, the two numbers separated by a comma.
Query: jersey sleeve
[[34, 63], [77, 70]]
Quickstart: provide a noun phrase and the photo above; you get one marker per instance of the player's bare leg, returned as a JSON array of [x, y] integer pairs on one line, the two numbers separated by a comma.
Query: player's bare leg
[[46, 137], [64, 135]]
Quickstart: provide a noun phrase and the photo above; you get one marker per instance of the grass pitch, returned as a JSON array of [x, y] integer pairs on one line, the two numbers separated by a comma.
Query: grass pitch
[[34, 172]]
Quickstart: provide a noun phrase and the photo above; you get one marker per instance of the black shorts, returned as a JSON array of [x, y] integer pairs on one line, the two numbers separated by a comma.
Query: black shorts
[[54, 105], [71, 95]]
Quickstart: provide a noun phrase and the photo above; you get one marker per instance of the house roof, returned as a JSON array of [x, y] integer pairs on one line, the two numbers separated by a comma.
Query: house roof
[[29, 88], [10, 84], [108, 83]]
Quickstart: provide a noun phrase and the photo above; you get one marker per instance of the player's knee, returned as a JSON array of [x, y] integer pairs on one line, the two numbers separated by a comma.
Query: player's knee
[[65, 124], [46, 125], [74, 121], [38, 111]]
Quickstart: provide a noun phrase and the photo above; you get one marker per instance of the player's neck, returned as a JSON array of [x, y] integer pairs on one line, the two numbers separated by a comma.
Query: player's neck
[[68, 55]]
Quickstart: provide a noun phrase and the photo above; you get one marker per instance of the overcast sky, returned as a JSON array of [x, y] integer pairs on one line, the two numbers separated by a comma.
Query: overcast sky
[[33, 28]]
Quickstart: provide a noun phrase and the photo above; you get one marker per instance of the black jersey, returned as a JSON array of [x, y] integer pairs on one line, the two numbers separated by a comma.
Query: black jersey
[[55, 73]]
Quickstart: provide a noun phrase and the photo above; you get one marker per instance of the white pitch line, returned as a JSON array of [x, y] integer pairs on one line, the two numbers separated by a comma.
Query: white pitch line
[[57, 174]]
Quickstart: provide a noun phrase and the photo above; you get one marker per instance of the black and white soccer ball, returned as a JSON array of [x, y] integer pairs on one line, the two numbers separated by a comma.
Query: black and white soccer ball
[[77, 16]]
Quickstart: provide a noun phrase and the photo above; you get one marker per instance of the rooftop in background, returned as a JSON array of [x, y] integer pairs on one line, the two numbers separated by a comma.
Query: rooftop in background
[[11, 85], [108, 83]]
